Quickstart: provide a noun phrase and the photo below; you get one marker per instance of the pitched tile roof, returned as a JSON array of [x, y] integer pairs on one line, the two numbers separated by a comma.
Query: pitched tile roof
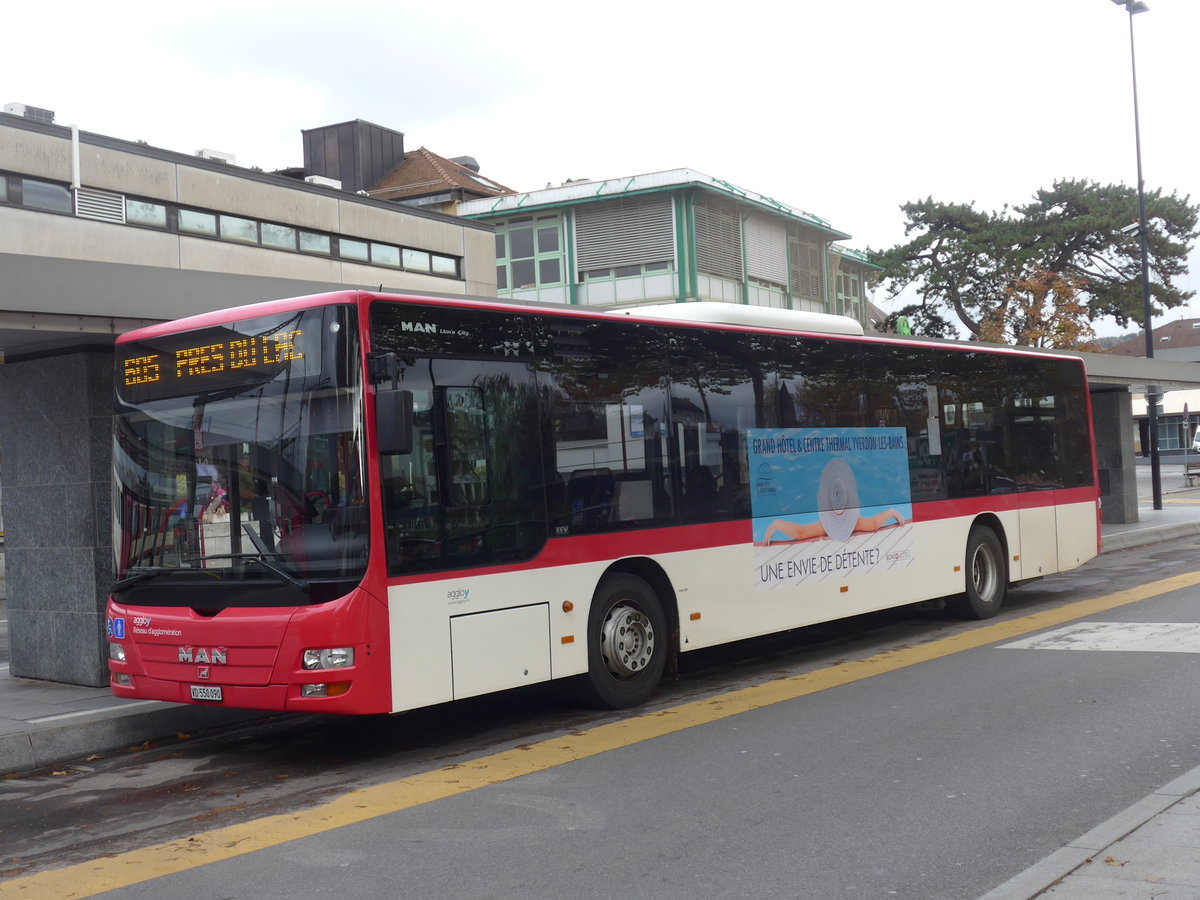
[[423, 172], [1173, 335]]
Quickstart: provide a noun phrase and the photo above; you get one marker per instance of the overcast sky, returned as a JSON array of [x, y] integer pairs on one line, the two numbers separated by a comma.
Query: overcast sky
[[842, 108]]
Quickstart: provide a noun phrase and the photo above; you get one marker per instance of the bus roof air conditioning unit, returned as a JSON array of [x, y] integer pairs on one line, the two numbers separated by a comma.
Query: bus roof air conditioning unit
[[715, 313]]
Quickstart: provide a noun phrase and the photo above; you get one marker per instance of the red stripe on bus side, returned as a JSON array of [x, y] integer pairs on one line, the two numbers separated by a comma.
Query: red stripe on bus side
[[974, 506], [589, 548]]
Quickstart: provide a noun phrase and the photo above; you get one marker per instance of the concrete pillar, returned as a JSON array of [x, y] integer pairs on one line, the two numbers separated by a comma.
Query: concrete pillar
[[1112, 419], [56, 448]]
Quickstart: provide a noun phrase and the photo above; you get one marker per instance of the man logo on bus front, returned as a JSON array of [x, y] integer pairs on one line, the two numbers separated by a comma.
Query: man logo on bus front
[[202, 673], [214, 656]]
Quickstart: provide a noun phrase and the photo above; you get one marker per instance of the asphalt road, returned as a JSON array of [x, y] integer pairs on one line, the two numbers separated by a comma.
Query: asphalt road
[[936, 779]]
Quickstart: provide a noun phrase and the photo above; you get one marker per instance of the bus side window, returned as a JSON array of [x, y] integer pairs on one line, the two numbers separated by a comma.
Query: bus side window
[[411, 494], [1040, 405], [603, 385], [903, 393], [718, 393], [467, 439]]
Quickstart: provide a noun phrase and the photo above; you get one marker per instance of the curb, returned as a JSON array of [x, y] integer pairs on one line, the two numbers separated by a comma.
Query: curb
[[1062, 864], [1150, 534], [107, 730]]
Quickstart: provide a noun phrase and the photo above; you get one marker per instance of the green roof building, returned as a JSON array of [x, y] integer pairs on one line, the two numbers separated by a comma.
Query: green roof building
[[677, 235]]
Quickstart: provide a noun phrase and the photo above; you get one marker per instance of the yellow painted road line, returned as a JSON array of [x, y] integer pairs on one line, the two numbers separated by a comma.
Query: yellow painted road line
[[122, 870]]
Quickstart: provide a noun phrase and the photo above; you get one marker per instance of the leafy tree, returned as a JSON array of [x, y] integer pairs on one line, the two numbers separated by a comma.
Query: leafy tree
[[1042, 309], [1043, 271]]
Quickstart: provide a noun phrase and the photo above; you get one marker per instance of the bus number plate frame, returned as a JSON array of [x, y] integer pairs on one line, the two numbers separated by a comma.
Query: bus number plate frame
[[206, 692]]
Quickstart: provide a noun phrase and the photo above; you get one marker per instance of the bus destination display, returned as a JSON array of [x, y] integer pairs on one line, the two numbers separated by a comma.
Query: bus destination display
[[210, 361]]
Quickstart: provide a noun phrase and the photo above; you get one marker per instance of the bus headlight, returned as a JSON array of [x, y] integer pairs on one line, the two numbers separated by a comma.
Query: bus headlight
[[331, 658], [116, 652]]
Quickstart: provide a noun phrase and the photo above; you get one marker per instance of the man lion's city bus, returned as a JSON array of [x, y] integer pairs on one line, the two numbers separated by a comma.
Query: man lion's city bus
[[365, 503]]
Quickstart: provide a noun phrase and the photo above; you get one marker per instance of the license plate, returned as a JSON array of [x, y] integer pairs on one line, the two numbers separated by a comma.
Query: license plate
[[206, 692]]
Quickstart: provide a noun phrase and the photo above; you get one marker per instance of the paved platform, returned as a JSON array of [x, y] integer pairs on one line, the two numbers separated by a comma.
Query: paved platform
[[1151, 850]]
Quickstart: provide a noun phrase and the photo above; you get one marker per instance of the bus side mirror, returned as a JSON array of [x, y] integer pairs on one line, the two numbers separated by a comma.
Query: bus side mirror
[[394, 420]]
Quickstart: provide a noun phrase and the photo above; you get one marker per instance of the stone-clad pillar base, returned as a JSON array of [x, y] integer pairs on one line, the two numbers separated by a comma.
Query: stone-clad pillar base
[[56, 458], [1112, 417]]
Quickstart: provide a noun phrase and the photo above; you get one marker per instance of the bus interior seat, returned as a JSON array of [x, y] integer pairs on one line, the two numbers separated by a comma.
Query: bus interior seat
[[590, 497]]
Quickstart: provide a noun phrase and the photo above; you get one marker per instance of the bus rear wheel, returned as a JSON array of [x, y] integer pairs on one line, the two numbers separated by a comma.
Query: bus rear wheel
[[986, 576], [627, 643]]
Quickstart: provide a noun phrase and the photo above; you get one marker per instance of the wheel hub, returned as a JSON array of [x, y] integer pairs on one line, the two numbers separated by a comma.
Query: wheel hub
[[626, 641], [984, 574]]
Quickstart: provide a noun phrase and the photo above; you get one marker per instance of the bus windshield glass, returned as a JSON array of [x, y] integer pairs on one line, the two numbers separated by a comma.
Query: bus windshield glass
[[238, 457]]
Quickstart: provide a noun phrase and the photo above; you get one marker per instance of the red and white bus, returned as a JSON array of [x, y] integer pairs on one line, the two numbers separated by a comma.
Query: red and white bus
[[366, 503]]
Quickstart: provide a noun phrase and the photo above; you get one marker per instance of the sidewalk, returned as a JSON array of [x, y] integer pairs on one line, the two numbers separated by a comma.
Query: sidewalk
[[1150, 850], [43, 722]]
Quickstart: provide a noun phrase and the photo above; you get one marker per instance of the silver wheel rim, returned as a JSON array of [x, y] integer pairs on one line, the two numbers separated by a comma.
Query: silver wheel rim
[[985, 574], [626, 641]]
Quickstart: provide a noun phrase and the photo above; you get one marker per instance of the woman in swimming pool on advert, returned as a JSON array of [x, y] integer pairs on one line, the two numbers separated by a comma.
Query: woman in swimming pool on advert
[[810, 531]]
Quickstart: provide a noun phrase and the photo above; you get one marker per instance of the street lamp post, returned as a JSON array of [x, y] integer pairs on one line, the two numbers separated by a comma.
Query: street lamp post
[[1133, 7]]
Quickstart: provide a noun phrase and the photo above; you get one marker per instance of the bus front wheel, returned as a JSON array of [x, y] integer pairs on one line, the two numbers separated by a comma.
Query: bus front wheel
[[627, 642], [986, 576]]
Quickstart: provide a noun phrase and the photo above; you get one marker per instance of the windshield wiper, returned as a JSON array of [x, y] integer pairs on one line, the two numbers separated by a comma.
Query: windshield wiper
[[263, 559], [137, 577], [130, 580], [279, 570]]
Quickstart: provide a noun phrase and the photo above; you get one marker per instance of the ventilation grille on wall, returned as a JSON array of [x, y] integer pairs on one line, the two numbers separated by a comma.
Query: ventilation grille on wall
[[93, 204]]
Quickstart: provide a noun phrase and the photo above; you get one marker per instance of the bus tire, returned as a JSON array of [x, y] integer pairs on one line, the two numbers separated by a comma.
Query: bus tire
[[627, 643], [986, 576]]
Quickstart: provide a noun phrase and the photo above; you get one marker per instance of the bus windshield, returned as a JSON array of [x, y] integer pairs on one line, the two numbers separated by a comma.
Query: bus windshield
[[238, 457]]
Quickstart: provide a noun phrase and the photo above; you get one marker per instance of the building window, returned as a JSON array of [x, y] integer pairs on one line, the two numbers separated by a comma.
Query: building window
[[806, 268], [311, 242], [1169, 428], [848, 301], [193, 222], [354, 250], [529, 252], [142, 212], [385, 255], [234, 228], [625, 232], [416, 260], [44, 195], [627, 271], [281, 237]]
